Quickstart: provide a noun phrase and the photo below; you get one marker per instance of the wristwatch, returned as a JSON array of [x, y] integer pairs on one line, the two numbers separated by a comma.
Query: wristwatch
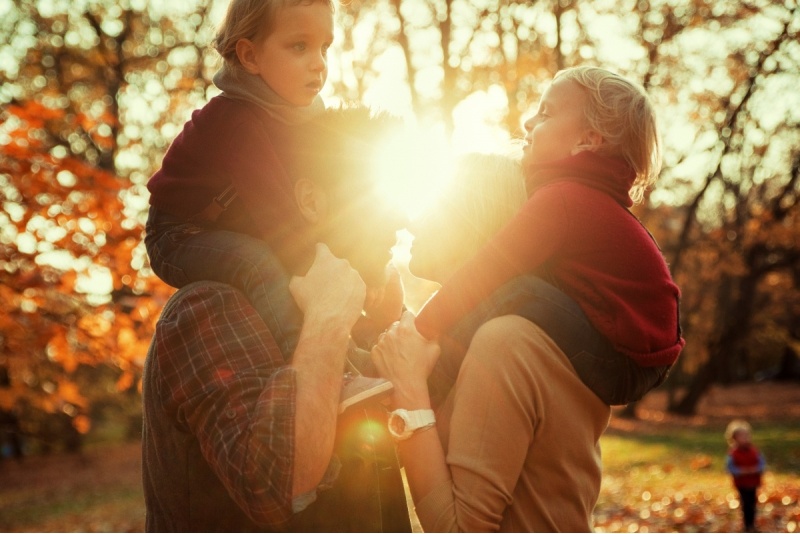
[[403, 423]]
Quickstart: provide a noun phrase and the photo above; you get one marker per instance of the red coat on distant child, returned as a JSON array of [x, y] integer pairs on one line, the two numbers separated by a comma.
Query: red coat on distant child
[[746, 464]]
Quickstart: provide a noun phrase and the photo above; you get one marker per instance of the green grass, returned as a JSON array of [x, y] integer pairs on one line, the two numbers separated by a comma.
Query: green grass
[[778, 441], [663, 479], [674, 479], [54, 508]]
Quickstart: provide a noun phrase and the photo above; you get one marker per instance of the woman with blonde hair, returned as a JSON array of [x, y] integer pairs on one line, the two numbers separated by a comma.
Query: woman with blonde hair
[[487, 191], [568, 309]]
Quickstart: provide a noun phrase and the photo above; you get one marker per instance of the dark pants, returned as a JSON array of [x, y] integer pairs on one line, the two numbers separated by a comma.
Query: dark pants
[[368, 495], [613, 377], [747, 496], [182, 252]]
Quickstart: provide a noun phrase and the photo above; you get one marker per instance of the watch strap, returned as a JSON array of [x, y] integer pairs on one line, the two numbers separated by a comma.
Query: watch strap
[[419, 419], [414, 421]]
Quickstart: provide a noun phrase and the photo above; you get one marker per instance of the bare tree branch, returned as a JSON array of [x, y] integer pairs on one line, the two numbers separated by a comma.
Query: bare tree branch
[[726, 130]]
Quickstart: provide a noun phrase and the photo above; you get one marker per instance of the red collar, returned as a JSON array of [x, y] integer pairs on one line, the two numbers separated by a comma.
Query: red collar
[[613, 176]]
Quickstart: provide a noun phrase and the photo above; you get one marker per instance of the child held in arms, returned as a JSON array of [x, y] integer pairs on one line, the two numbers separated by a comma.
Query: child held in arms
[[575, 260]]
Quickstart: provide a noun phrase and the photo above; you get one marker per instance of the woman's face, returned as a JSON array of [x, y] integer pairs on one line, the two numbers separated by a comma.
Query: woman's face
[[440, 243], [487, 191]]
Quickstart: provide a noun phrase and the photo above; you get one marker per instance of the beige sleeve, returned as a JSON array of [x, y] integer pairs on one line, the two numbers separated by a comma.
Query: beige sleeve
[[522, 445]]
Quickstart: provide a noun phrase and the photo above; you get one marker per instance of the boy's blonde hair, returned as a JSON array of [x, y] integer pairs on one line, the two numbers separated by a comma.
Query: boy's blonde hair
[[735, 426], [253, 20], [487, 191], [621, 112]]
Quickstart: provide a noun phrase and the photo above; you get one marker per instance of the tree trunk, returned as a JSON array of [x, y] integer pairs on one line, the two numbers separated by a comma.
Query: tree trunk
[[697, 387], [735, 305], [790, 365]]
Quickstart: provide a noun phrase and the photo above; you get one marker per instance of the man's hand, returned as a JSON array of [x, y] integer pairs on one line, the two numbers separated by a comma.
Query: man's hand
[[331, 290], [406, 358]]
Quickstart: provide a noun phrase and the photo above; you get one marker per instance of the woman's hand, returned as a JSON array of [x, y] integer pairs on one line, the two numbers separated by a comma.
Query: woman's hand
[[406, 358]]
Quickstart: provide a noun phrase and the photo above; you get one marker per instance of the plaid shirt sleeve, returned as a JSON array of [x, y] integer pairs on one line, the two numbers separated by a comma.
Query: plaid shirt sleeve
[[225, 381]]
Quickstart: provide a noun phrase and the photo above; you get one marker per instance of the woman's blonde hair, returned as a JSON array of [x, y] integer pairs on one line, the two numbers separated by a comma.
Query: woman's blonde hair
[[621, 112], [487, 191], [735, 426], [253, 20]]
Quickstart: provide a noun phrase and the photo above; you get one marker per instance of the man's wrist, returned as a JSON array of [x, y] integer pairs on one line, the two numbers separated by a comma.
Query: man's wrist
[[326, 321], [323, 346], [325, 328]]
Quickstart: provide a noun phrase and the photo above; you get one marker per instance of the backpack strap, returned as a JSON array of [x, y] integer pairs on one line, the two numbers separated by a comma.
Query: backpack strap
[[220, 203]]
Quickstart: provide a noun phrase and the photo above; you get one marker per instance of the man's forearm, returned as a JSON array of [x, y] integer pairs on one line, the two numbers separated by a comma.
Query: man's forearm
[[331, 297], [319, 364]]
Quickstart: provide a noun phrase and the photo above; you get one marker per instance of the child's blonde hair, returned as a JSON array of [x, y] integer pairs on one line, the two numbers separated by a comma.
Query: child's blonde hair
[[735, 426], [253, 20], [621, 112], [487, 191]]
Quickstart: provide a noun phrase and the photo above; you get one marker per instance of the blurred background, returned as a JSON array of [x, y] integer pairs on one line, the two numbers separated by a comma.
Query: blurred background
[[93, 91]]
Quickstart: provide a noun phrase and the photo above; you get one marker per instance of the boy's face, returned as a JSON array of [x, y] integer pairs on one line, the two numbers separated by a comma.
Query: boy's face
[[292, 59], [559, 125], [741, 437]]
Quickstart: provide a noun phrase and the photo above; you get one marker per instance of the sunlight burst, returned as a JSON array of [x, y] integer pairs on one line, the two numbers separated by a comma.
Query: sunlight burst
[[412, 167]]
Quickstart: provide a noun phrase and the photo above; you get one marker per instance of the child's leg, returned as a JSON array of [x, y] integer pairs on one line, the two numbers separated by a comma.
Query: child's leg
[[613, 377], [182, 252], [162, 233], [747, 498]]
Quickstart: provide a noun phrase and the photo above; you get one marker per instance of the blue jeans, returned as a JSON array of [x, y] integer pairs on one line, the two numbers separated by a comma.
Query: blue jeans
[[182, 252], [615, 378]]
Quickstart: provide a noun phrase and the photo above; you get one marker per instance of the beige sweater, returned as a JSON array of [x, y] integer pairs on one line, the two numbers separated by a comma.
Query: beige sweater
[[520, 431]]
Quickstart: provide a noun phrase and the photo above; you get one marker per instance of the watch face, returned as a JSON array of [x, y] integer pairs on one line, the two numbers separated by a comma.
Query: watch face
[[397, 424]]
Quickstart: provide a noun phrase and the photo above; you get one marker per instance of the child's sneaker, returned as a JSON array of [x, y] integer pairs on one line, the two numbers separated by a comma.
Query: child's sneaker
[[357, 388]]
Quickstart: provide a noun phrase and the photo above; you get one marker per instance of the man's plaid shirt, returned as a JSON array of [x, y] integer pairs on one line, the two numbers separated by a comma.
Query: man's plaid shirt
[[222, 378]]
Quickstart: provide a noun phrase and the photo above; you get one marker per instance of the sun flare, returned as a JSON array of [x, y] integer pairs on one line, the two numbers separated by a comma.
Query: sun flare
[[412, 168]]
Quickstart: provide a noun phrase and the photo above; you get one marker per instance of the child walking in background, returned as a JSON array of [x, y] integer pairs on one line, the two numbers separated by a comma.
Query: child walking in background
[[746, 464], [575, 260]]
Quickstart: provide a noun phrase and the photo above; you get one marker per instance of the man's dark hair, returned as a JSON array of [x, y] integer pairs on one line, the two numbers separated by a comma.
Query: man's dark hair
[[339, 148]]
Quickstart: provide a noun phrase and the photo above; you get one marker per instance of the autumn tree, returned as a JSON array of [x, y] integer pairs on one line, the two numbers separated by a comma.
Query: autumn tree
[[91, 96], [736, 242], [93, 92], [721, 76]]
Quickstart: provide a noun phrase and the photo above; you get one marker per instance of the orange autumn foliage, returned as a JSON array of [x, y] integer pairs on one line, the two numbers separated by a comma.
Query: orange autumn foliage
[[49, 329]]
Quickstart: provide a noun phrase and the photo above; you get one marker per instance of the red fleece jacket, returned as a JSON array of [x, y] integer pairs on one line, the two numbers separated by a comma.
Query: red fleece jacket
[[577, 226], [230, 142], [746, 457]]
